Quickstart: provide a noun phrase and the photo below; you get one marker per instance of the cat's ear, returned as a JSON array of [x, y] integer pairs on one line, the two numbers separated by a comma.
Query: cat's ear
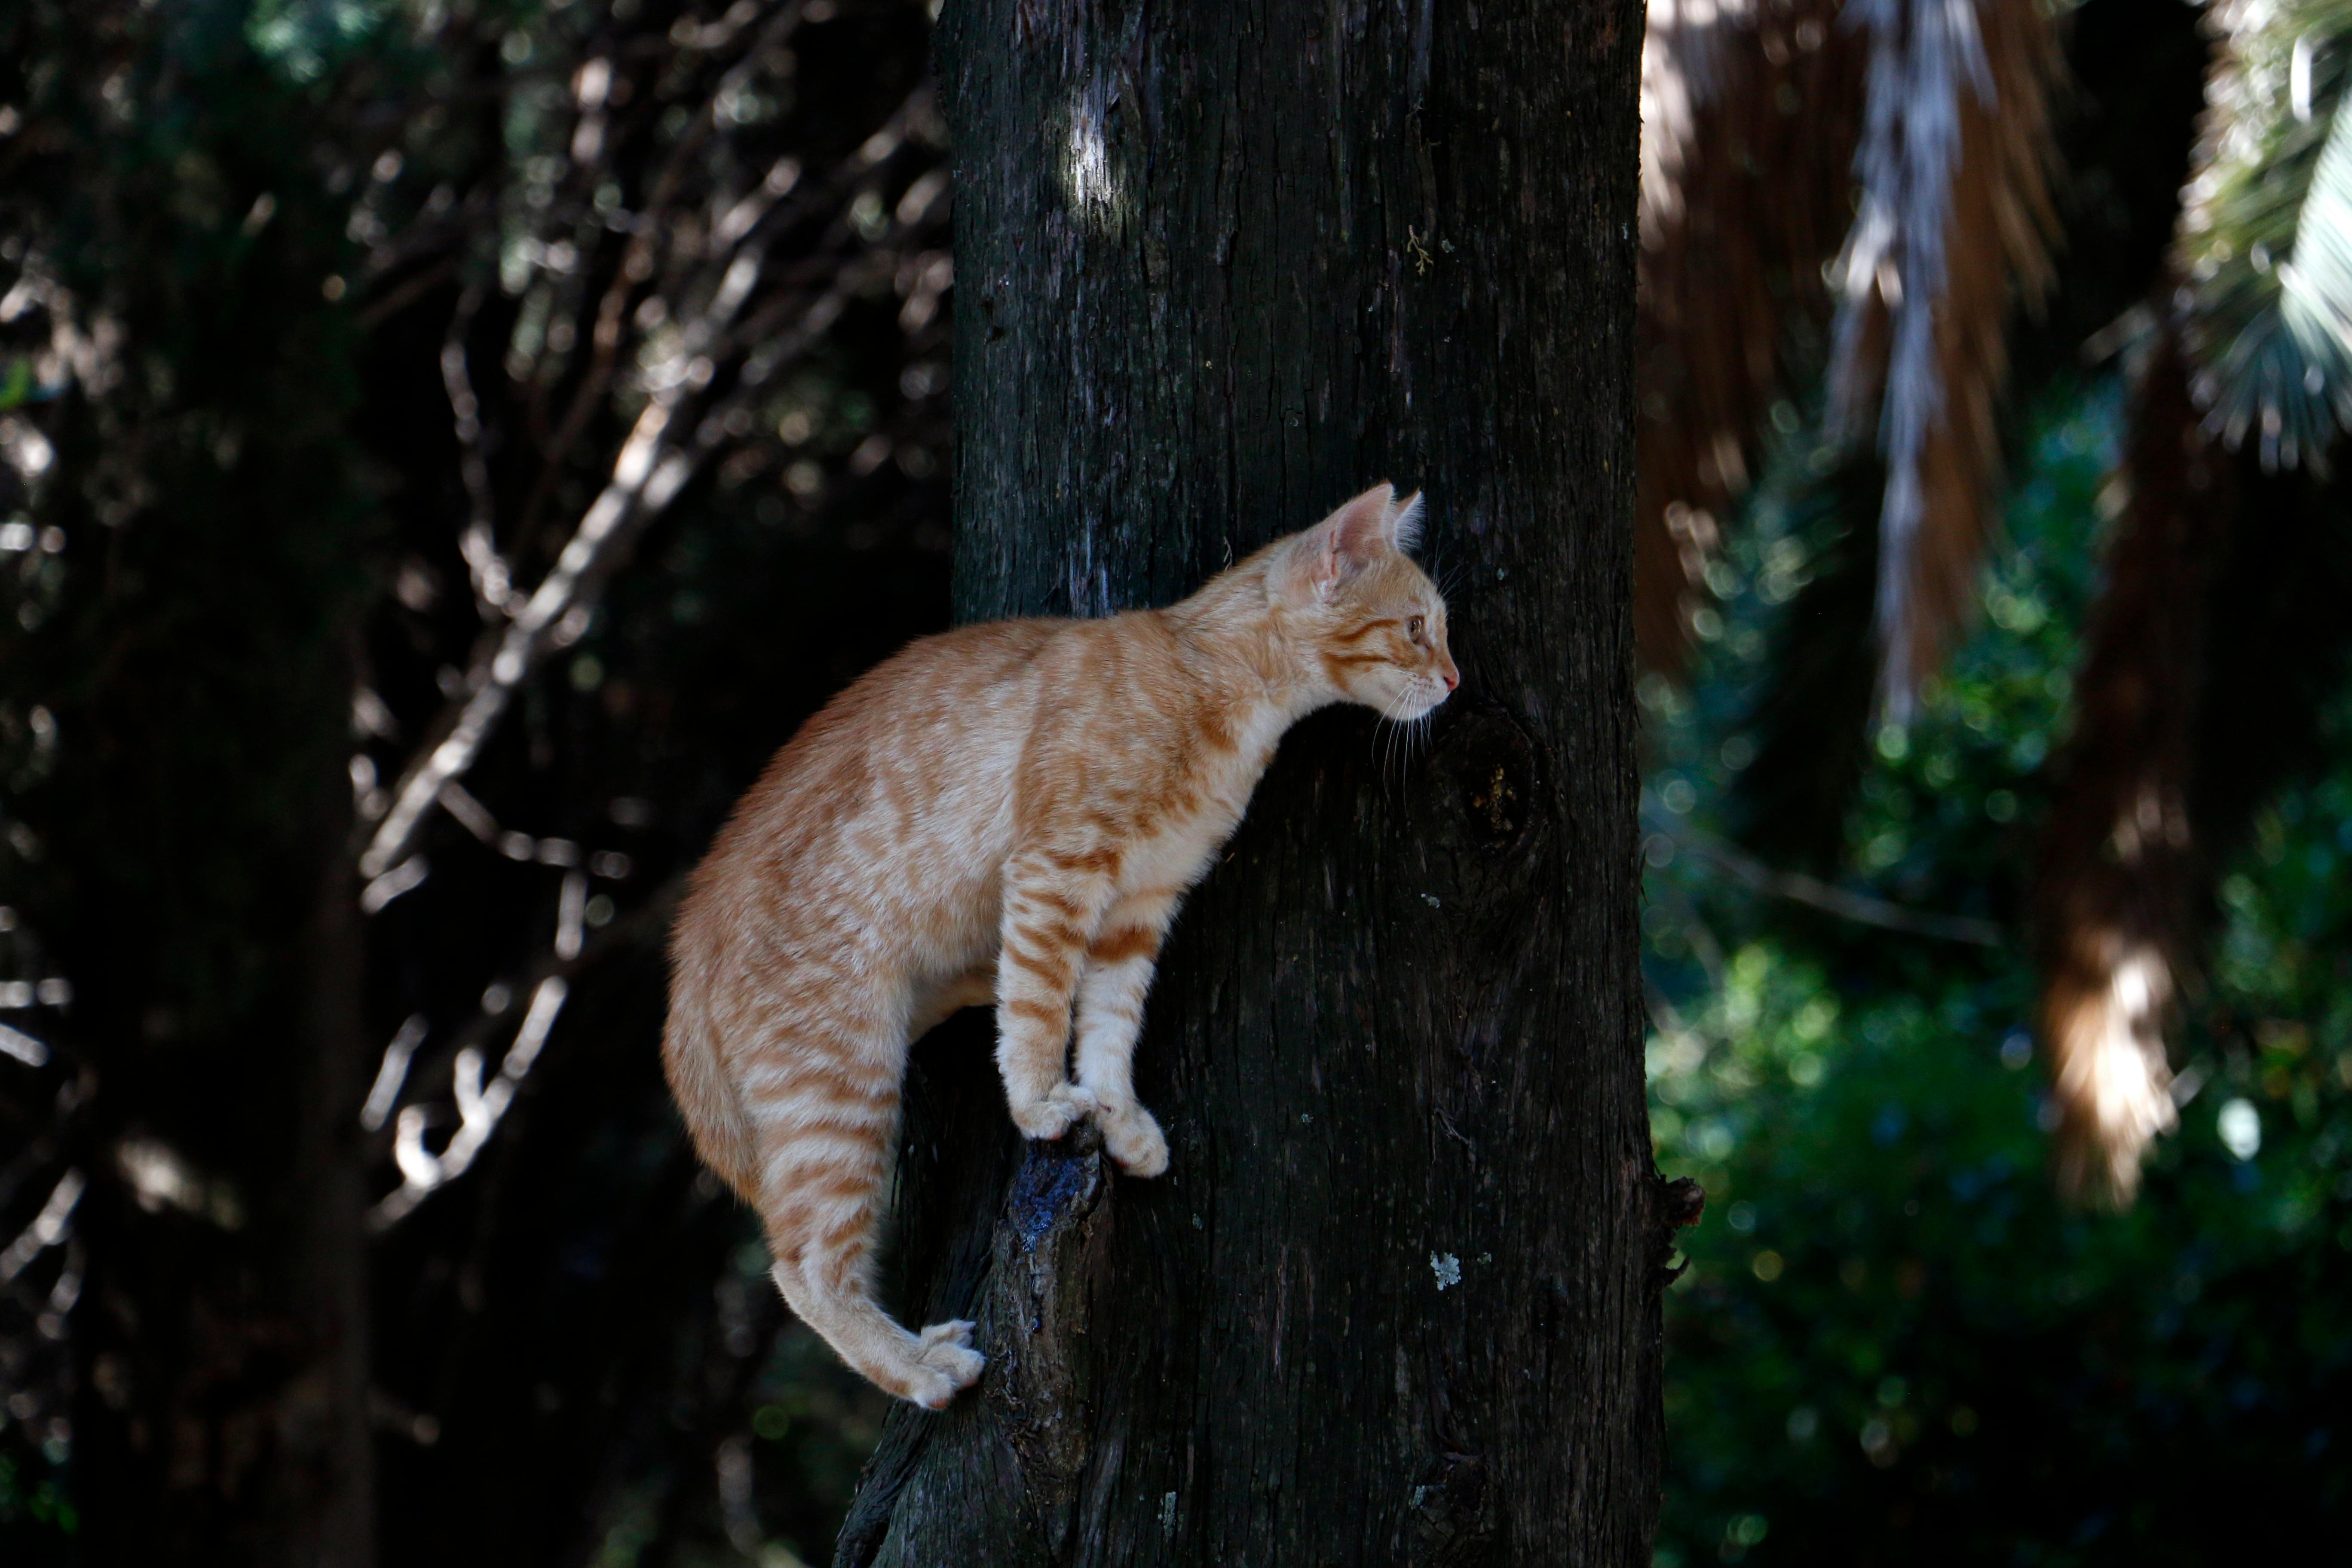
[[1404, 524], [1341, 545]]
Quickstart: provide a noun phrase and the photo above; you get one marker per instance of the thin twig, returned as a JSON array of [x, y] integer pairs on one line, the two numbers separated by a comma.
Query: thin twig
[[1843, 902], [546, 982], [406, 293], [493, 582]]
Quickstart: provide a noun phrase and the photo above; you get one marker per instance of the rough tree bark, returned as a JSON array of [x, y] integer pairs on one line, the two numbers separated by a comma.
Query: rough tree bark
[[1396, 1298]]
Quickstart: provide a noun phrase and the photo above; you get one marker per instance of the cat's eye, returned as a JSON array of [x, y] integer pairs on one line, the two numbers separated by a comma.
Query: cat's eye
[[1413, 627]]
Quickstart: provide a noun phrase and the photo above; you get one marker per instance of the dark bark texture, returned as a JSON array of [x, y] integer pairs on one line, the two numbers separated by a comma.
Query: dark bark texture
[[1218, 267]]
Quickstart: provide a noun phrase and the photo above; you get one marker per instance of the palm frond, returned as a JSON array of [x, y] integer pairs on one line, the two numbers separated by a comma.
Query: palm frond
[[1951, 229], [2266, 237], [1749, 114], [2115, 893]]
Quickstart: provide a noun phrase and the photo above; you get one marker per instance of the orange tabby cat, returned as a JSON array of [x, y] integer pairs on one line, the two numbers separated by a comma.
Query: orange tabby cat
[[1010, 813]]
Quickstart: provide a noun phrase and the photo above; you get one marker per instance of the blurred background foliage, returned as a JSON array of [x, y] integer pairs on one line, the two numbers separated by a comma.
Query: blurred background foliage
[[1892, 1342], [1998, 941], [1990, 575]]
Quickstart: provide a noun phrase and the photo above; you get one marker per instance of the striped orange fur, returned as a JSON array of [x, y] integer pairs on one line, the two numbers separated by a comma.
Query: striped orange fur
[[1004, 813]]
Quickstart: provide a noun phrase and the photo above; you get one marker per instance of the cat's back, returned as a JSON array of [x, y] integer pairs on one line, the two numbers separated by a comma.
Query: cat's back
[[922, 744], [943, 695]]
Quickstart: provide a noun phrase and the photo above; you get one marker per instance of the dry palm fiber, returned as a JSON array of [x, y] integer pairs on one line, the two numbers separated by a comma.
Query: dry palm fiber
[[2265, 238], [2277, 641], [2133, 93], [2266, 233], [1955, 208], [1811, 717], [1749, 115], [2158, 783], [2115, 900]]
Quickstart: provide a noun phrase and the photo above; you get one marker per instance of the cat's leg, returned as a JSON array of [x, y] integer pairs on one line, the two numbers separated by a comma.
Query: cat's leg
[[1052, 907], [1120, 963], [822, 1104]]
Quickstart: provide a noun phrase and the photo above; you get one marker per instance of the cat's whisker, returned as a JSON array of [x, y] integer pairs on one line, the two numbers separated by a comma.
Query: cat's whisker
[[1385, 728], [1391, 730]]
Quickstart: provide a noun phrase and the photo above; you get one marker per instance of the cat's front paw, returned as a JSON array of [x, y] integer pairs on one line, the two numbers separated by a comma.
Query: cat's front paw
[[1133, 1138], [945, 1364], [1054, 1112]]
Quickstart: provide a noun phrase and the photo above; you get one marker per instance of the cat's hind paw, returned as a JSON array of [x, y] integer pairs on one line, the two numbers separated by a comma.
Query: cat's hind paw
[[1134, 1140], [1054, 1112], [945, 1364]]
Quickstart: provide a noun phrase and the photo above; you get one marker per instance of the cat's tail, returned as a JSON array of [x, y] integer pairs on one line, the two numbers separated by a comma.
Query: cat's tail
[[713, 1113], [829, 1148]]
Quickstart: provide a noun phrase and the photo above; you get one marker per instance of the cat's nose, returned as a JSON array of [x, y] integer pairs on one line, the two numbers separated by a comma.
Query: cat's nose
[[1453, 677]]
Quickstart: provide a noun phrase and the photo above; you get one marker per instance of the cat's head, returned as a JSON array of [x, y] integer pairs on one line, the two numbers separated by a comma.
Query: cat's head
[[1365, 619]]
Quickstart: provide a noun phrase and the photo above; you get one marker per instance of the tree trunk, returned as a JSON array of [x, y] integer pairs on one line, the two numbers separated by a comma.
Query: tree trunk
[[194, 877], [1397, 1298], [224, 1409]]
